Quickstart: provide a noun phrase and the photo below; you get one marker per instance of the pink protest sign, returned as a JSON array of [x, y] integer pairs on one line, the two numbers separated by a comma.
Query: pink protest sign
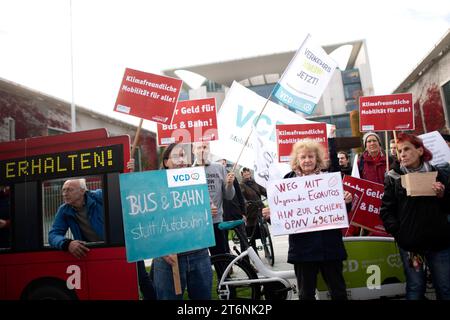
[[386, 113], [367, 212], [149, 96], [193, 121]]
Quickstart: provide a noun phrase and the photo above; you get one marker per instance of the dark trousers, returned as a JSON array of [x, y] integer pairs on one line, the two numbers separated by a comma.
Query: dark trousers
[[145, 282], [306, 273], [221, 243]]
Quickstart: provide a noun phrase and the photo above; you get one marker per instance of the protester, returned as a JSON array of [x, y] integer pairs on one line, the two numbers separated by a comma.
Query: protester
[[393, 149], [220, 186], [234, 209], [419, 224], [311, 252], [344, 163], [194, 266], [445, 135], [372, 167], [252, 193], [82, 213], [372, 163]]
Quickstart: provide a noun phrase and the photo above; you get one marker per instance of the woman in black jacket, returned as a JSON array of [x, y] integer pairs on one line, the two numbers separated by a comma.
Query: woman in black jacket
[[311, 252], [419, 224]]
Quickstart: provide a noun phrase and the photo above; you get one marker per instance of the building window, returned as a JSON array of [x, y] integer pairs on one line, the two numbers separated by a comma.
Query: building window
[[446, 94], [342, 123], [263, 90], [54, 131], [352, 88], [11, 129]]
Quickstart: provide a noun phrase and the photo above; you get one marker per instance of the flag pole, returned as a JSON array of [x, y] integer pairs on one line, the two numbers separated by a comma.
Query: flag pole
[[136, 139], [251, 131], [387, 147]]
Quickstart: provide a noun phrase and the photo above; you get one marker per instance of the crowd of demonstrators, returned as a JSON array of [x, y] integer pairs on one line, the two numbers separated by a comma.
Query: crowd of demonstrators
[[235, 209], [82, 213], [194, 266], [419, 224], [344, 163], [319, 251], [220, 187]]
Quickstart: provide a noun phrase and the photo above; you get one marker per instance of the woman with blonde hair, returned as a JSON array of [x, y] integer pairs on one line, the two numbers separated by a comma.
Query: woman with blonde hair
[[311, 252]]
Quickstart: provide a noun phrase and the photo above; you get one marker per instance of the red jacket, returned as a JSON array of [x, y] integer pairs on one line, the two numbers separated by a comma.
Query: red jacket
[[372, 169]]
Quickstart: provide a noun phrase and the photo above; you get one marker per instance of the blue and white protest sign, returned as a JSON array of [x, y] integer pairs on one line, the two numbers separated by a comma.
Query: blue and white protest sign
[[305, 78], [165, 212]]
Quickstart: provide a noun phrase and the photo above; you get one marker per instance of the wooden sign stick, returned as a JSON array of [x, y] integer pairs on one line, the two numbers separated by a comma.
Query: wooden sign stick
[[136, 139], [176, 276], [387, 150]]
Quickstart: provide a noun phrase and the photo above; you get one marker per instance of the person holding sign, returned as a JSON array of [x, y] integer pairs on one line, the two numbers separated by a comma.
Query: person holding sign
[[311, 252], [194, 266], [252, 193], [220, 186], [372, 163], [419, 224]]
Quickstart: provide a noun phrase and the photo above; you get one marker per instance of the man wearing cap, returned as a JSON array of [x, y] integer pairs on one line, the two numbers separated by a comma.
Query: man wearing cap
[[372, 163]]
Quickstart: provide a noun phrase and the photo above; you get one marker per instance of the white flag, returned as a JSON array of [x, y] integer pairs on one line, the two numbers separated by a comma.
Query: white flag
[[355, 170], [305, 78]]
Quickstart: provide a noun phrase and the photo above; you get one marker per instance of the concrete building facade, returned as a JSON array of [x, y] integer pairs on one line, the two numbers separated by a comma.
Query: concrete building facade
[[429, 82]]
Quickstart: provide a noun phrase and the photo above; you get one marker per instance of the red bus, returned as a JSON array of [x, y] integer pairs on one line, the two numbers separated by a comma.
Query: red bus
[[32, 172]]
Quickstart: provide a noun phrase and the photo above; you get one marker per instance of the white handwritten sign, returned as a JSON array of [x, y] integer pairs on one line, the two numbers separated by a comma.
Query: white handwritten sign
[[438, 147], [306, 204]]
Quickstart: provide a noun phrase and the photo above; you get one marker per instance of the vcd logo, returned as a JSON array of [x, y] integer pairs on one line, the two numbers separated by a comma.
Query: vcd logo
[[186, 176]]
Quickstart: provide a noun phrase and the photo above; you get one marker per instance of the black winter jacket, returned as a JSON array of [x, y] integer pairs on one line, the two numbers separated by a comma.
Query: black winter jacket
[[418, 224]]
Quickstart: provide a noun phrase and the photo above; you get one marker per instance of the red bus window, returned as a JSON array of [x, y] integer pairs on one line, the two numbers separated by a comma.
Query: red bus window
[[5, 218], [85, 224]]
